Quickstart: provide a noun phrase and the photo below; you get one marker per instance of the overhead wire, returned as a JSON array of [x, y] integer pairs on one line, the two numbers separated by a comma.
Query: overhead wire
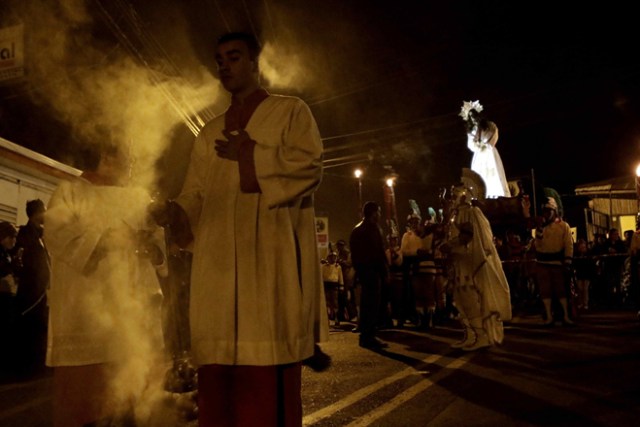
[[174, 95], [224, 21], [270, 20], [246, 10]]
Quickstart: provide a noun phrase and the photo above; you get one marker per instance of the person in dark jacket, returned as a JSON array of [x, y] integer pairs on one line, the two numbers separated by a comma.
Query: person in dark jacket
[[8, 289], [370, 262], [33, 277]]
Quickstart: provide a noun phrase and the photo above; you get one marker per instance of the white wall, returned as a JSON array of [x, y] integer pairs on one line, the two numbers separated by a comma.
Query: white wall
[[16, 188]]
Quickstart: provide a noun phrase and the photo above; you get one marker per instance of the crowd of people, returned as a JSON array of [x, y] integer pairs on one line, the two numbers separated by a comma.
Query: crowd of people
[[429, 275]]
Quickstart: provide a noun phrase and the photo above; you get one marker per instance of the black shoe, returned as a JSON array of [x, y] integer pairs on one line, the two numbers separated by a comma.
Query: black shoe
[[320, 361], [373, 344]]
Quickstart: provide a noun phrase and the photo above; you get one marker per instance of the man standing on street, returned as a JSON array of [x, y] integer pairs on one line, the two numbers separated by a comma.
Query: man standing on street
[[370, 261], [257, 302], [32, 293]]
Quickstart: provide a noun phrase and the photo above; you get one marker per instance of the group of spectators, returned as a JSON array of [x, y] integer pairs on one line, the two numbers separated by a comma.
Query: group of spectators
[[603, 272]]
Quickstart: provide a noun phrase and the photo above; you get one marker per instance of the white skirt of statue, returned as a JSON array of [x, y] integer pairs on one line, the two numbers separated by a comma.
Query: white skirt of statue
[[486, 160]]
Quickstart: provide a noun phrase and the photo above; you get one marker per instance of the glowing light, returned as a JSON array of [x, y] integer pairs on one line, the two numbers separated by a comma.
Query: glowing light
[[638, 170], [357, 173], [390, 182]]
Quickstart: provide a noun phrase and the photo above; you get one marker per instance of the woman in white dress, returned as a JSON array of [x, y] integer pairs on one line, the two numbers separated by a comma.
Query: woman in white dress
[[482, 136]]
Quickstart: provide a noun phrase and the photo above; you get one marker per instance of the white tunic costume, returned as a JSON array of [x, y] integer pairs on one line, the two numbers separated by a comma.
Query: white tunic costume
[[101, 316], [479, 274], [487, 162], [256, 287]]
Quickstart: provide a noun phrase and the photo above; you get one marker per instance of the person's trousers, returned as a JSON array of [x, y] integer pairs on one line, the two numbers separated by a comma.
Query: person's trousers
[[81, 395], [370, 302], [248, 396]]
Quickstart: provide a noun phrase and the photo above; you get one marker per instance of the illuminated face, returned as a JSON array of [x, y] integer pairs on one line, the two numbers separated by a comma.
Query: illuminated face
[[237, 71]]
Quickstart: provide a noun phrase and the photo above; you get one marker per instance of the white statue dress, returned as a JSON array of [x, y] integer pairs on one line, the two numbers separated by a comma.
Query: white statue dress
[[486, 160]]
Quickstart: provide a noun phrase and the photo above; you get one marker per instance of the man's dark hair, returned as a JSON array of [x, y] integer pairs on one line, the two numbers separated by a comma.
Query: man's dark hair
[[369, 209], [249, 39], [34, 207]]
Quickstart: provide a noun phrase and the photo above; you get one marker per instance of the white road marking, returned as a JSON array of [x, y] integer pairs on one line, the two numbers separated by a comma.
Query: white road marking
[[368, 390], [403, 397]]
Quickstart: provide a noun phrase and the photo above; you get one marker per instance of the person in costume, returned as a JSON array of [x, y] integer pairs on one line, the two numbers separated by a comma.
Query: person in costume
[[553, 247], [482, 137], [257, 304], [480, 288], [104, 313]]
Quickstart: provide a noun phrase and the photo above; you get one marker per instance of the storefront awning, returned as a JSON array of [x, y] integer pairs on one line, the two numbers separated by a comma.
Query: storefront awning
[[621, 187]]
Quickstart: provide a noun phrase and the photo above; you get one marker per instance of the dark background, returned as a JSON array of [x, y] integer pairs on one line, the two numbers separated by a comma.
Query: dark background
[[385, 81]]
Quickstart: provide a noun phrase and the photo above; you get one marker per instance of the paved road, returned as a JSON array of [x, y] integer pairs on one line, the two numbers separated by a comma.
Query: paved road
[[583, 376]]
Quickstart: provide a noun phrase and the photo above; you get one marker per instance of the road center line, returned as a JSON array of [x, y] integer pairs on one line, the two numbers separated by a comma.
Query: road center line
[[403, 397], [363, 393]]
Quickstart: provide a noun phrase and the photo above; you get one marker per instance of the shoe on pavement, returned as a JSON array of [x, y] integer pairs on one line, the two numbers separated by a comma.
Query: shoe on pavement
[[320, 361], [373, 344], [468, 339], [481, 341]]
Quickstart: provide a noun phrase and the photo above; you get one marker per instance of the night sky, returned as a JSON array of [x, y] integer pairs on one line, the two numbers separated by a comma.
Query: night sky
[[385, 81]]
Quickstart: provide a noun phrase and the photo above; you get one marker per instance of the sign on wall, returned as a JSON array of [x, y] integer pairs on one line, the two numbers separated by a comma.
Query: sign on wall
[[322, 231], [11, 52]]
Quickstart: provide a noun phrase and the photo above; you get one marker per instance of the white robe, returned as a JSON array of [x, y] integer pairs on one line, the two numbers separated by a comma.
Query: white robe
[[487, 162], [256, 286], [480, 263], [107, 315]]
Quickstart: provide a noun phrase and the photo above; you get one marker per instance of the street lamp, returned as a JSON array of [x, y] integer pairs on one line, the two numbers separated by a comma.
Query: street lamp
[[390, 204], [358, 174]]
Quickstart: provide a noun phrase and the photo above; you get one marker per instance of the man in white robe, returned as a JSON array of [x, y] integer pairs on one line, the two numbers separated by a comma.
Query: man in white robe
[[480, 288], [104, 319], [257, 303]]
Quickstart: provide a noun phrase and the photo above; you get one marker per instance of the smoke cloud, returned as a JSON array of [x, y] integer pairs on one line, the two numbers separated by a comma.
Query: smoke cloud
[[93, 83]]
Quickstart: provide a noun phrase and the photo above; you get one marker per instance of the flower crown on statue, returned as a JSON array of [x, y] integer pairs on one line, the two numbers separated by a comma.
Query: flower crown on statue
[[467, 106]]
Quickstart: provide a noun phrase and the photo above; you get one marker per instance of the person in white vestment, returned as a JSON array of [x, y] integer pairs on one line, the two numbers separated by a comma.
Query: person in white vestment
[[104, 318], [257, 306], [480, 288], [482, 137]]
